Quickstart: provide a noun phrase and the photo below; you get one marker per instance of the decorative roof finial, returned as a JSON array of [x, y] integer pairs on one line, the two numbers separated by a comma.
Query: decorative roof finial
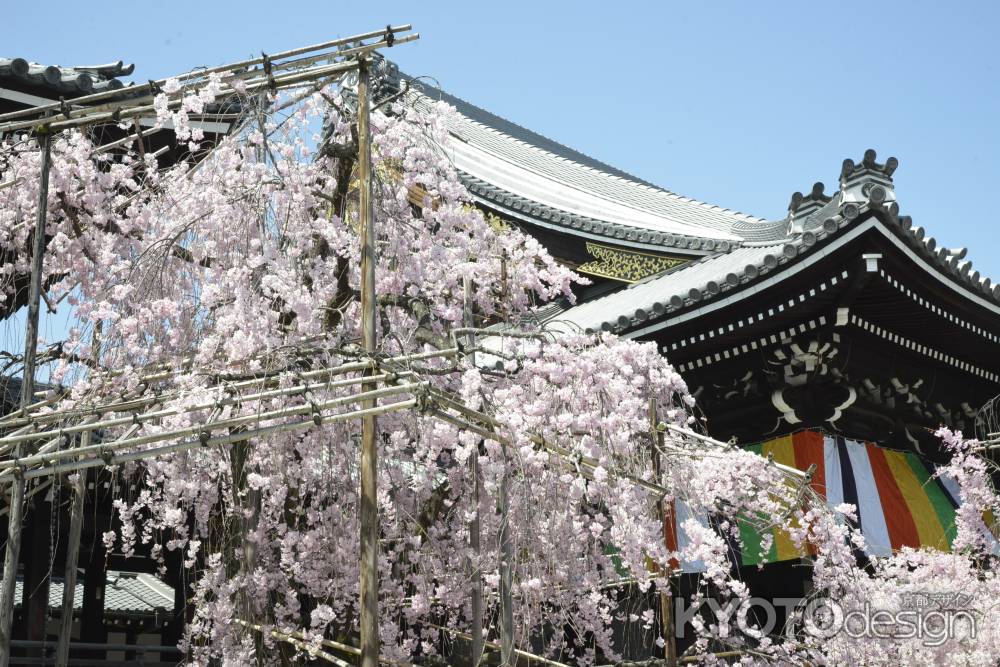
[[868, 167], [802, 208]]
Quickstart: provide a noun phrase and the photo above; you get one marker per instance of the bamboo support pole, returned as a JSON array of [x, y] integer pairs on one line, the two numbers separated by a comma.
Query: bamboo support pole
[[349, 367], [72, 554], [794, 472], [369, 452], [507, 655], [135, 108], [45, 448], [168, 412], [297, 643], [584, 464], [664, 596], [21, 411], [24, 429], [264, 381], [13, 550], [329, 643], [475, 574], [137, 137]]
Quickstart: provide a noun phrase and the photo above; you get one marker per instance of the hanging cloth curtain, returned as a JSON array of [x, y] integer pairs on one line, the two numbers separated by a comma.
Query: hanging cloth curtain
[[900, 501]]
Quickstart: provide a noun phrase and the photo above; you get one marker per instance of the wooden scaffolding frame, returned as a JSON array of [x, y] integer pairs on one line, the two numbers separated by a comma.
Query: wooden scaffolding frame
[[40, 440]]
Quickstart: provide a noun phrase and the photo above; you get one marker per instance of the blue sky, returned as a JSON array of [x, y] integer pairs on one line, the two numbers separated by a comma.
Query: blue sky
[[735, 103]]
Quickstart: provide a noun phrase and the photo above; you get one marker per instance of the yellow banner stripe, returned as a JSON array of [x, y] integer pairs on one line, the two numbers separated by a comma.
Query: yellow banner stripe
[[783, 451], [919, 505]]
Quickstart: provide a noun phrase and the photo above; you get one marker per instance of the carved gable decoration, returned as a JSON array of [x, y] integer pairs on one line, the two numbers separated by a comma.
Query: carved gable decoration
[[625, 265]]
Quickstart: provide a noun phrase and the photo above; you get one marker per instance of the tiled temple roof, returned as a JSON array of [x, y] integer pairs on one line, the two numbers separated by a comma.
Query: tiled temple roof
[[542, 214], [814, 220], [533, 178]]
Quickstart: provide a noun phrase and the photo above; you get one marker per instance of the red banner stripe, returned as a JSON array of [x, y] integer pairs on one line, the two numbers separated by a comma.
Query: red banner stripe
[[898, 519]]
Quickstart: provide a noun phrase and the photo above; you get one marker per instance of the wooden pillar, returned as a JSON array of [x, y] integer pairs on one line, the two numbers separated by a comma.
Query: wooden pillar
[[369, 427], [13, 550], [131, 639], [92, 627], [508, 656], [35, 592]]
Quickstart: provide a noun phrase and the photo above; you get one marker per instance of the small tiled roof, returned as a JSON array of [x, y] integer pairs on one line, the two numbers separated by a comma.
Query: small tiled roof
[[512, 168], [68, 81], [125, 593]]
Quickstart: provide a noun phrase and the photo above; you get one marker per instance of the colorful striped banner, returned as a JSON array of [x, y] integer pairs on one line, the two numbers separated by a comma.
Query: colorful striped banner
[[899, 501]]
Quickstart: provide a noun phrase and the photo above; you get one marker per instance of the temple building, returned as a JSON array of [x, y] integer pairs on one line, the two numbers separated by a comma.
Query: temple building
[[839, 336], [843, 316]]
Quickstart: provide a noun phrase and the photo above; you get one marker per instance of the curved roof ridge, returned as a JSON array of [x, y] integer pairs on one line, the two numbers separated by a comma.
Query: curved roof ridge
[[545, 215]]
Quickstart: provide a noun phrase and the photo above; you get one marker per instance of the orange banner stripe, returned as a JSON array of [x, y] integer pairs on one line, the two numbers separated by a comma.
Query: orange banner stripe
[[809, 450]]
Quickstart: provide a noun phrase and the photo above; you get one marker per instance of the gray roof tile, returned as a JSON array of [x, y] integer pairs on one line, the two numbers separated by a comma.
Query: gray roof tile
[[66, 81], [505, 158], [124, 593]]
